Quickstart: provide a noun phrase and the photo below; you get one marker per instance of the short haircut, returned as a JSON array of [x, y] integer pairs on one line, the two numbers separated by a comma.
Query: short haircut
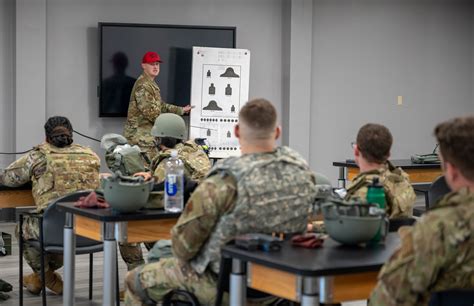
[[456, 143], [374, 142], [58, 131], [260, 117]]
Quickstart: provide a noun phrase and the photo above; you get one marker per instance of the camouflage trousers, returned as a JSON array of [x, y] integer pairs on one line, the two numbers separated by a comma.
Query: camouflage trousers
[[132, 254], [151, 282], [32, 256]]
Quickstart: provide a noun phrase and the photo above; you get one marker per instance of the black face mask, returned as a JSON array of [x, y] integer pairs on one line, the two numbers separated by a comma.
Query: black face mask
[[157, 142]]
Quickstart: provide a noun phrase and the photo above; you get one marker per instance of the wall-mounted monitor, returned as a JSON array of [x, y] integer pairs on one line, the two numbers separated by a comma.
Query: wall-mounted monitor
[[122, 47]]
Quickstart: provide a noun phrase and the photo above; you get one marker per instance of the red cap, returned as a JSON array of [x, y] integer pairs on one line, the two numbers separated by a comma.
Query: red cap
[[151, 57]]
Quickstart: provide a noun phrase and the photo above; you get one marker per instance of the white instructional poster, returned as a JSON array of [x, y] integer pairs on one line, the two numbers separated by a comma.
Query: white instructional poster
[[219, 88]]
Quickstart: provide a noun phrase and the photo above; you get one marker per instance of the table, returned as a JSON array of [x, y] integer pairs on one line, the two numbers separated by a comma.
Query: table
[[333, 273], [12, 197], [109, 226], [419, 173]]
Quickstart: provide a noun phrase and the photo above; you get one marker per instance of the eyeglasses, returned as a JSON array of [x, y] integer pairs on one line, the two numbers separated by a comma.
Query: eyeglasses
[[353, 144], [154, 64]]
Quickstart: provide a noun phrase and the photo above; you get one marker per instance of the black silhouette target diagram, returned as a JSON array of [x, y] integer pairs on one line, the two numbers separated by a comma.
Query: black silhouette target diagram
[[220, 84]]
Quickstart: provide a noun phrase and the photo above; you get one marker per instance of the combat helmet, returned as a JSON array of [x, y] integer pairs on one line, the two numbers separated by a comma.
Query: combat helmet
[[169, 125], [126, 193], [353, 222]]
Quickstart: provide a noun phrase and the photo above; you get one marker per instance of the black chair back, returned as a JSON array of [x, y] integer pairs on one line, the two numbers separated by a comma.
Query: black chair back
[[54, 220], [438, 189], [396, 223], [453, 297]]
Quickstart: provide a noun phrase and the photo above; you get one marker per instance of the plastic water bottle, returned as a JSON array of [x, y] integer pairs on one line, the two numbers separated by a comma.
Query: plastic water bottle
[[376, 195], [174, 171]]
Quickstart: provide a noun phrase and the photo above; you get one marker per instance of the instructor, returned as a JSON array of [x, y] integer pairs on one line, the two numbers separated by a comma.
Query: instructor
[[146, 105]]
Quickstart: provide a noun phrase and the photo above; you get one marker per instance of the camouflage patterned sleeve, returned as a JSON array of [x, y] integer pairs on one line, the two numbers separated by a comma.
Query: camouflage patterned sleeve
[[159, 173], [147, 103], [170, 108], [21, 170], [413, 268], [358, 193], [211, 199]]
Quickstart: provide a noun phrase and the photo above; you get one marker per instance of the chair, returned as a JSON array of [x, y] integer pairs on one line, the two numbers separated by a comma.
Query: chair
[[438, 189], [458, 297], [51, 239], [396, 223]]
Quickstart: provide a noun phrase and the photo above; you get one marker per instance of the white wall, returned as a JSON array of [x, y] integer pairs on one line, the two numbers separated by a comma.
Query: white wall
[[368, 52], [7, 78], [72, 48]]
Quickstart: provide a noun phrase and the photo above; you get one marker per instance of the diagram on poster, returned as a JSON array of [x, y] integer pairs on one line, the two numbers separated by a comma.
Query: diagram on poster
[[219, 88]]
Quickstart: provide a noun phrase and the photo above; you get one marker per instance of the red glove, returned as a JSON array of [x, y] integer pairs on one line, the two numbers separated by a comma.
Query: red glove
[[91, 201], [309, 240]]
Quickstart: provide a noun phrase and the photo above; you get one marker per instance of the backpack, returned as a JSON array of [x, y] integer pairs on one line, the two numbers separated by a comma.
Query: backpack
[[126, 159]]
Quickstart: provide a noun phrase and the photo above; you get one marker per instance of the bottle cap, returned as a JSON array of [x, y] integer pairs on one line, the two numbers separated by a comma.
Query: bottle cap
[[174, 153]]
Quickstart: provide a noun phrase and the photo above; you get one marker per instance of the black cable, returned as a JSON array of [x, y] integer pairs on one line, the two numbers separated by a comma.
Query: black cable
[[13, 153], [434, 151], [85, 136]]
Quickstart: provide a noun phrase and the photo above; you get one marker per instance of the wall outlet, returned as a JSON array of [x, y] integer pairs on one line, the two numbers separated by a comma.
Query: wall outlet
[[400, 100]]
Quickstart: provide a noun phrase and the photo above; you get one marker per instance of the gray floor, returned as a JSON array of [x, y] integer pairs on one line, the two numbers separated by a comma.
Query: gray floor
[[9, 272]]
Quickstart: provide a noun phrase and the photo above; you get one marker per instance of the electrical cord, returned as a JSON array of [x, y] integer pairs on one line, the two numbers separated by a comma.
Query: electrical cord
[[23, 152], [85, 136]]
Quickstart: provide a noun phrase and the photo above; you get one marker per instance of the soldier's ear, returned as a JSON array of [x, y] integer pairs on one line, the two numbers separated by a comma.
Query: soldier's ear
[[277, 132], [237, 130]]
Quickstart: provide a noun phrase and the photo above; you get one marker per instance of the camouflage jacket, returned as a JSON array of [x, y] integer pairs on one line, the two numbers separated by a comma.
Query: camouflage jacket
[[435, 254], [196, 162], [399, 193], [54, 172], [238, 197], [144, 107]]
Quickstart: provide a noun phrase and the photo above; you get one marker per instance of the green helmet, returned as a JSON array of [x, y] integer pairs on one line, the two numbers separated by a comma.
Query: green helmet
[[126, 193], [352, 223], [169, 125]]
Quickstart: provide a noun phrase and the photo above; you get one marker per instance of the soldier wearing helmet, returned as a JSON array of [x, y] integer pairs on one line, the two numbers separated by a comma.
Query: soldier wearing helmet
[[169, 133], [146, 105]]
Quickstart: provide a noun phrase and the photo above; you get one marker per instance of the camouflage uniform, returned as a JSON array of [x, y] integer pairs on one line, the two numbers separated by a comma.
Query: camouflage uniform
[[196, 166], [435, 254], [399, 193], [145, 106], [54, 172], [237, 197]]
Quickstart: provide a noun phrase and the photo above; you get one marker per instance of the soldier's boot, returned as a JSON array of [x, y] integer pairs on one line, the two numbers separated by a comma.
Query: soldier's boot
[[54, 282], [4, 286], [32, 283]]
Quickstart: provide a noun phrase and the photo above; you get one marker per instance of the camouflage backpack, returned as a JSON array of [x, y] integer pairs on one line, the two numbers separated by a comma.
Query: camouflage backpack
[[122, 157]]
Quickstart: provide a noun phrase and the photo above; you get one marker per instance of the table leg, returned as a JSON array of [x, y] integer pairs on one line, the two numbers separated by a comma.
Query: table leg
[[69, 260], [238, 285], [326, 290], [110, 253], [341, 182], [310, 292]]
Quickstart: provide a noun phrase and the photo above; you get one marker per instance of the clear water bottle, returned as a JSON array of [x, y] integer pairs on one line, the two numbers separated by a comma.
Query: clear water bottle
[[174, 171]]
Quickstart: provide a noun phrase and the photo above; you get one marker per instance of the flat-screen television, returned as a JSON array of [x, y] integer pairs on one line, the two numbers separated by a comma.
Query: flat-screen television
[[122, 46]]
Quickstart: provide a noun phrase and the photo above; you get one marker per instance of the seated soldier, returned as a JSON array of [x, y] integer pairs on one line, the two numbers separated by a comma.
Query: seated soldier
[[437, 252], [169, 131], [55, 168], [371, 152], [236, 197]]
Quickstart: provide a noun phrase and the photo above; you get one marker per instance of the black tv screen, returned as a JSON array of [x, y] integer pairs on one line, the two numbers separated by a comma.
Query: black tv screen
[[122, 47]]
